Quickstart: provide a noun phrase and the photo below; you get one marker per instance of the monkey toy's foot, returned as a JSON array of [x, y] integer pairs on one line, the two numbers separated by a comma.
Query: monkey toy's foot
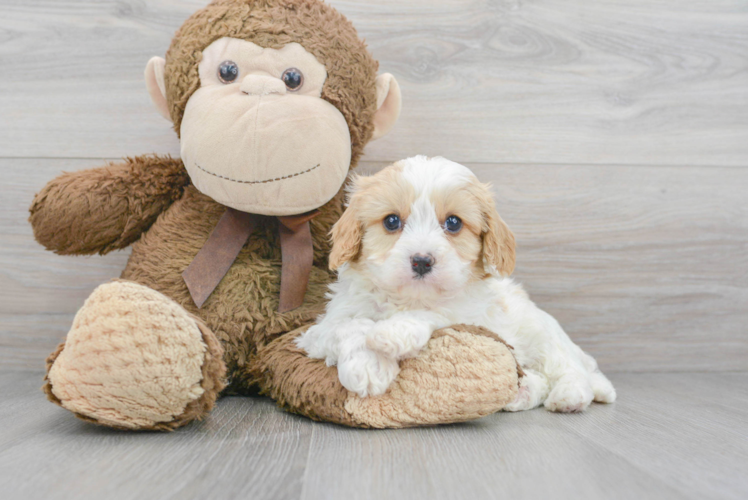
[[463, 373], [135, 359]]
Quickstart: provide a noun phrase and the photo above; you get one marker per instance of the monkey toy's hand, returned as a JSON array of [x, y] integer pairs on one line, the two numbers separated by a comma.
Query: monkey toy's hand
[[106, 208]]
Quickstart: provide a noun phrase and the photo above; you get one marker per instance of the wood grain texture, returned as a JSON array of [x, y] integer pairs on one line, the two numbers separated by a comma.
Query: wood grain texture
[[248, 448], [508, 81], [645, 267], [669, 436]]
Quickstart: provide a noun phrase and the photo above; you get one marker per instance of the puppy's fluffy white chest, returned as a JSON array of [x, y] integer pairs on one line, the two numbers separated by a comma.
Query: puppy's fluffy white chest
[[421, 247]]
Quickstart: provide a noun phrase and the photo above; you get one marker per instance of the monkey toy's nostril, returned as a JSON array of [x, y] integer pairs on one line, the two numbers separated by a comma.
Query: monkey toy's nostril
[[421, 264]]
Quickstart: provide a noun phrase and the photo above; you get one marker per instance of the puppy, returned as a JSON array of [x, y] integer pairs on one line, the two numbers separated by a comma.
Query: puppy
[[421, 247]]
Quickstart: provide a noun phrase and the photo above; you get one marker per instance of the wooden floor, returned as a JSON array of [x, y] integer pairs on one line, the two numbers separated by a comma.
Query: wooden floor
[[670, 435], [615, 134]]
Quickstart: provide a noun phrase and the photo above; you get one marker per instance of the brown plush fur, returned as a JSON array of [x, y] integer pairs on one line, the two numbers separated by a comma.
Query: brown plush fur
[[309, 387], [106, 208], [301, 384], [148, 202], [323, 31], [214, 375], [243, 310]]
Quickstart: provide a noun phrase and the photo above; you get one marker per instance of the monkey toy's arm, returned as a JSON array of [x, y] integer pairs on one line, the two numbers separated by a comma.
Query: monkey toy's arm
[[106, 208]]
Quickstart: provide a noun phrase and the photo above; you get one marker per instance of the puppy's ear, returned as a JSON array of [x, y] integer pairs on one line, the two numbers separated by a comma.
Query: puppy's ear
[[498, 239], [346, 237]]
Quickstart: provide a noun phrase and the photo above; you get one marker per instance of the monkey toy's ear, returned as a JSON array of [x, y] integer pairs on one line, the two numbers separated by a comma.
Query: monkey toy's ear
[[388, 105], [154, 82]]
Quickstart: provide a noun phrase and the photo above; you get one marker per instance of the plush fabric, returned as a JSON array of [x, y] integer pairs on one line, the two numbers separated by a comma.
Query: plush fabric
[[459, 376], [134, 359], [465, 372], [140, 354], [274, 23], [107, 208], [243, 310], [297, 144]]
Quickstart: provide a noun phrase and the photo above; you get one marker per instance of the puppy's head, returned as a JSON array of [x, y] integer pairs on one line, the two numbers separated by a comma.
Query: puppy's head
[[421, 228]]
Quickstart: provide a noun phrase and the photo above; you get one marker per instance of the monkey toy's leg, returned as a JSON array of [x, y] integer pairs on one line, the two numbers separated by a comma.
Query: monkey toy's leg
[[135, 359], [463, 373]]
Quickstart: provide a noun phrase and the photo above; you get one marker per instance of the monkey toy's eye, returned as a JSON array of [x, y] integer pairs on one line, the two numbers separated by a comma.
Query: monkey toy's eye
[[228, 71], [392, 223], [453, 224], [293, 79]]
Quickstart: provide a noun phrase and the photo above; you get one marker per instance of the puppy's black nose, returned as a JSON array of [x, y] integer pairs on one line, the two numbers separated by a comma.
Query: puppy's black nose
[[421, 264]]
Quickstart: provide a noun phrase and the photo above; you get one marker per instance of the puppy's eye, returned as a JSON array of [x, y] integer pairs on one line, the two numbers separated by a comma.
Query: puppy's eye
[[392, 222], [293, 79], [453, 224], [228, 71]]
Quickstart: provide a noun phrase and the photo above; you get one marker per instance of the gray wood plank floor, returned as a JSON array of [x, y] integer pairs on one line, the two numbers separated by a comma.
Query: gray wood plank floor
[[676, 435]]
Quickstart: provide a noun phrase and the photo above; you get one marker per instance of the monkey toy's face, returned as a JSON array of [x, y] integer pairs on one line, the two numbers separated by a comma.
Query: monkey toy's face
[[257, 135]]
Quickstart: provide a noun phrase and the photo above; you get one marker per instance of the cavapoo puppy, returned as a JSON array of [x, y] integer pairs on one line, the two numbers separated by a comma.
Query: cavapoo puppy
[[421, 247]]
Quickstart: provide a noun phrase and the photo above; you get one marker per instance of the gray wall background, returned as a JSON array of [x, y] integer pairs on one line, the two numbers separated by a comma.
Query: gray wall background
[[615, 134]]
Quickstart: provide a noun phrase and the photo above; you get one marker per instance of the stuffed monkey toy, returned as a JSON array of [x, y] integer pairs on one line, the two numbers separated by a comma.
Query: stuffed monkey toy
[[273, 101]]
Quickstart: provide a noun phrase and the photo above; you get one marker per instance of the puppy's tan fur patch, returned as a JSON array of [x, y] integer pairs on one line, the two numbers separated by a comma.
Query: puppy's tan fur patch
[[372, 199], [499, 247], [360, 232], [468, 242]]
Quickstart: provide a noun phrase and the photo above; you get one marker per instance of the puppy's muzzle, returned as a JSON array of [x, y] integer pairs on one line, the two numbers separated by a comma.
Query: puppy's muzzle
[[422, 264]]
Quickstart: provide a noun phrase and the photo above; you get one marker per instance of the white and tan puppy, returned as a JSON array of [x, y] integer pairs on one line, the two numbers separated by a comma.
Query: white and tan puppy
[[419, 248]]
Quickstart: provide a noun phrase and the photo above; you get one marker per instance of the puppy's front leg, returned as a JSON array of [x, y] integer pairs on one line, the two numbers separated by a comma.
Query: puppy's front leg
[[366, 372], [404, 334]]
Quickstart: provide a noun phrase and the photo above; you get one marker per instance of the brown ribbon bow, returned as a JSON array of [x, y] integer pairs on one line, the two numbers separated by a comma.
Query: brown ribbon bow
[[227, 239]]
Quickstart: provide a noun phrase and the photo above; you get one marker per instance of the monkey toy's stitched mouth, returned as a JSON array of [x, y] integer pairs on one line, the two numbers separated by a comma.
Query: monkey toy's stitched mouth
[[264, 181]]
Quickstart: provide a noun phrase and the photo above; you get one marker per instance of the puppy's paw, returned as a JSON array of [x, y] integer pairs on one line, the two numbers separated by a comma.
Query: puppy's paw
[[522, 402], [398, 339], [570, 396], [533, 389], [602, 388], [325, 340], [367, 373]]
